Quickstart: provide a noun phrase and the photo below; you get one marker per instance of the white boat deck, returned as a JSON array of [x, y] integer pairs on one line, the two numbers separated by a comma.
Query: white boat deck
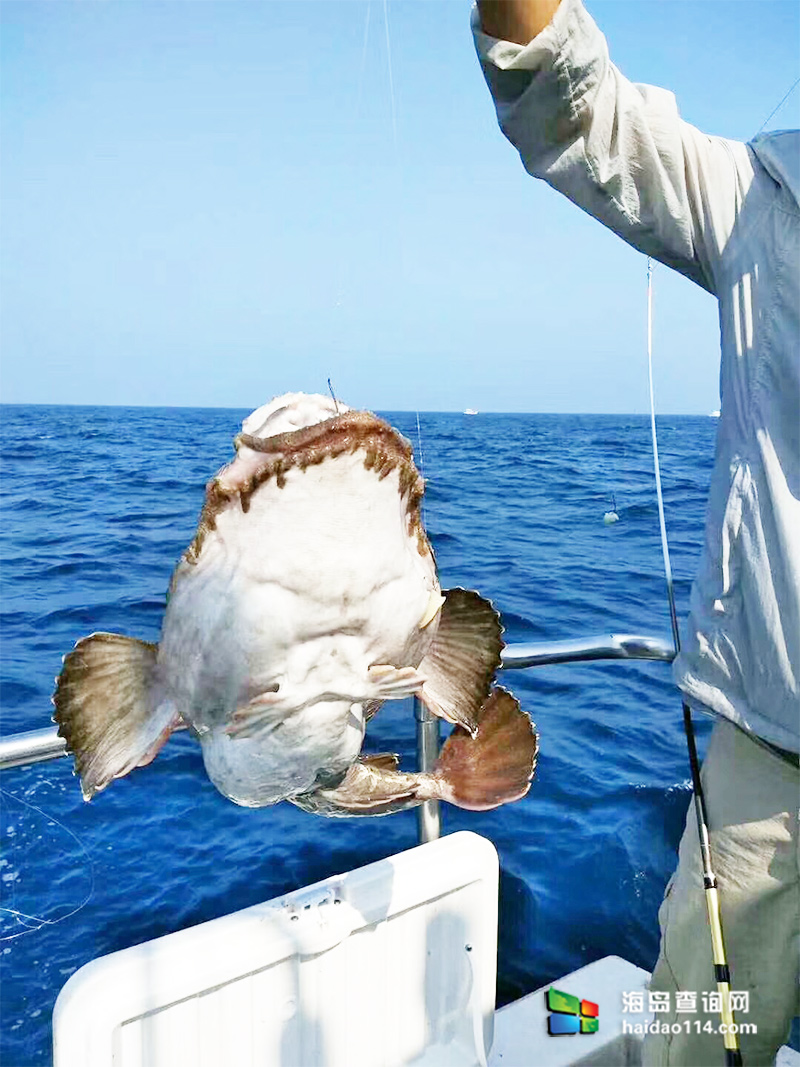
[[520, 1030]]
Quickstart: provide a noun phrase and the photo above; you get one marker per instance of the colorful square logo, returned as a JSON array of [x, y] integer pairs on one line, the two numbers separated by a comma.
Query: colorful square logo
[[570, 1015]]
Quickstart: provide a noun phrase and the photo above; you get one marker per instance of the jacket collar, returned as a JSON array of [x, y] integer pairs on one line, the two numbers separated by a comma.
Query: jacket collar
[[779, 154]]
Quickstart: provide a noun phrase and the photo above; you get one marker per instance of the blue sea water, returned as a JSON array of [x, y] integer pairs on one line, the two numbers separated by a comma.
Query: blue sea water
[[97, 504]]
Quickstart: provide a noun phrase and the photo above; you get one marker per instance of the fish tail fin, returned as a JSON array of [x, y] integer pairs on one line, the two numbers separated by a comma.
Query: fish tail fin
[[496, 765], [107, 709]]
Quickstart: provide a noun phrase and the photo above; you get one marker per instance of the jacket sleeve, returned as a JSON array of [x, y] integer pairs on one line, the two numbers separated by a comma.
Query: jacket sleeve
[[620, 151]]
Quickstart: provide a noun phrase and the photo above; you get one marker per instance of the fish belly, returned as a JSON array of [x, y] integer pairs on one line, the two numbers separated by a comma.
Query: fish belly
[[287, 607]]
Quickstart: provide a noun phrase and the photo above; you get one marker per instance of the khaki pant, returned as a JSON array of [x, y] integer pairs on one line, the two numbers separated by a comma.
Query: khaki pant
[[752, 797]]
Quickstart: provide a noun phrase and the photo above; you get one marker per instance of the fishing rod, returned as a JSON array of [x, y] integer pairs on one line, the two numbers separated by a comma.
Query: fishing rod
[[733, 1055]]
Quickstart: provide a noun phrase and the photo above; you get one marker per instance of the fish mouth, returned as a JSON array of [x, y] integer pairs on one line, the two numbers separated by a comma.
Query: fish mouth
[[384, 450], [341, 433]]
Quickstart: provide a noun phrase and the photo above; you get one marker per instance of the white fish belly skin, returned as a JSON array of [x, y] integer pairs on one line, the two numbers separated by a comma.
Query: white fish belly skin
[[297, 597]]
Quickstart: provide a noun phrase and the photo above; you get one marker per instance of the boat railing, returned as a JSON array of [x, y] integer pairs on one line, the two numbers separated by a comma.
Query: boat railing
[[36, 746]]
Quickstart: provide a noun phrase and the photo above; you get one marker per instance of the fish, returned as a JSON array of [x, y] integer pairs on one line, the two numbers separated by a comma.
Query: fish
[[307, 598]]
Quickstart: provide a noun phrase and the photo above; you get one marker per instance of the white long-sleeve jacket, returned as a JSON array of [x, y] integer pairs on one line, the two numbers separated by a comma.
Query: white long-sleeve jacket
[[726, 215]]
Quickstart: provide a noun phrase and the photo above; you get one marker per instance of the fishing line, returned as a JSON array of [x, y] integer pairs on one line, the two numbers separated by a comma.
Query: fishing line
[[401, 233], [20, 916], [342, 288], [345, 286], [777, 109], [421, 466], [363, 56], [391, 78], [733, 1056], [656, 465], [335, 401], [419, 443]]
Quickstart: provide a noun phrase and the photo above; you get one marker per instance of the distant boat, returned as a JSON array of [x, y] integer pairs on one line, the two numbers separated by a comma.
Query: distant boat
[[713, 414], [470, 411]]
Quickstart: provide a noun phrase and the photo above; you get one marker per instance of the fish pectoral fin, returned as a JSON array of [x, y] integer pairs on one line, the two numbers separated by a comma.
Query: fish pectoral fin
[[461, 662], [108, 708], [259, 715], [371, 708], [386, 682], [494, 767], [372, 786]]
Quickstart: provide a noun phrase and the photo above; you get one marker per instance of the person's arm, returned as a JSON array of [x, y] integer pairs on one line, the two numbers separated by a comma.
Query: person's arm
[[621, 151], [515, 20]]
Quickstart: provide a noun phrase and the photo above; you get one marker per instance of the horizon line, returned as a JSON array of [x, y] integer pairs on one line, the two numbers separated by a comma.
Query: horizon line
[[399, 411]]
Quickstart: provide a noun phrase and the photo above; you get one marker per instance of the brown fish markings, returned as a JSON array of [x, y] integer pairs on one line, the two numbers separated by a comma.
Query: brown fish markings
[[307, 597]]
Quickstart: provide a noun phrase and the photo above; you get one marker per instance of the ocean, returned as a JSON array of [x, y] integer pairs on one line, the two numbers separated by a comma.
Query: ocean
[[96, 505]]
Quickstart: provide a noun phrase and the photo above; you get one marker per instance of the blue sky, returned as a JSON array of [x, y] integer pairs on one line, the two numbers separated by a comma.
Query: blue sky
[[204, 203]]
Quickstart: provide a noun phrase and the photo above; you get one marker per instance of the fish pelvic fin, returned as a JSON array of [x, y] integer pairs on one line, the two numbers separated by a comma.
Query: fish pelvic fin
[[460, 664], [372, 786], [386, 682], [494, 767], [106, 708]]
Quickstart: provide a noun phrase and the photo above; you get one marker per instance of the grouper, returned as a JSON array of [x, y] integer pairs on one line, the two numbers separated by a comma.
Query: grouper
[[308, 597]]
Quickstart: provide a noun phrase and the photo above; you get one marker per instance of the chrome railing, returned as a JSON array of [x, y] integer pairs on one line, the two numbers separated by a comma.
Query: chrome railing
[[36, 746], [606, 646]]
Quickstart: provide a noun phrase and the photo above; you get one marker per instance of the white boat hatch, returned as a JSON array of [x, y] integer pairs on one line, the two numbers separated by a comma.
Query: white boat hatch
[[390, 964]]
